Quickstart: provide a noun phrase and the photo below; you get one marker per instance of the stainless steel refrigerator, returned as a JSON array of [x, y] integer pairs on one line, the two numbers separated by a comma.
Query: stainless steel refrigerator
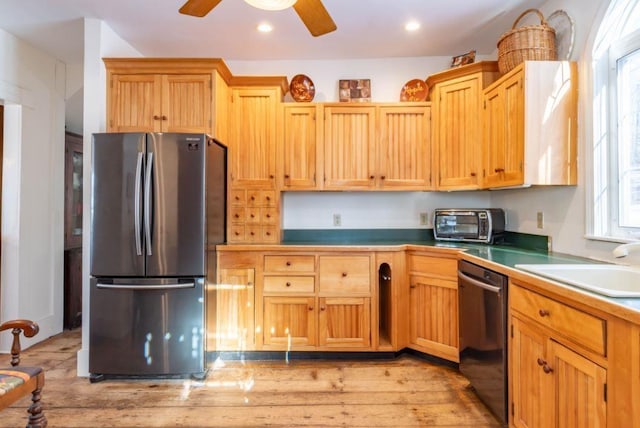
[[149, 212]]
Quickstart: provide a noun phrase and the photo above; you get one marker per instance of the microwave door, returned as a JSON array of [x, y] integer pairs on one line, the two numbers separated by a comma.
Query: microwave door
[[457, 226]]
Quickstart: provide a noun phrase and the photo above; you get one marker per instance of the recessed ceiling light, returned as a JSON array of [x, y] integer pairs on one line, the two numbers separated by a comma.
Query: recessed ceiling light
[[265, 27], [412, 26]]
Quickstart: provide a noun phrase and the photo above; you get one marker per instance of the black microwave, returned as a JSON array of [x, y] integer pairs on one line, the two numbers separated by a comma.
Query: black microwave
[[473, 224]]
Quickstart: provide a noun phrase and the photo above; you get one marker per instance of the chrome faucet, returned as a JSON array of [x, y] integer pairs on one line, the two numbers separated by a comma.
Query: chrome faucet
[[623, 250]]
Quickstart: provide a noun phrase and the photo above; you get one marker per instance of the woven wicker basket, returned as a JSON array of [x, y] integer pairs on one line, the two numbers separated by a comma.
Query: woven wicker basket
[[529, 43]]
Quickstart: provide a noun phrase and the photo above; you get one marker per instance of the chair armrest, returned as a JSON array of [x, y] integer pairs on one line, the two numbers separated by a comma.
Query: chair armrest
[[29, 328]]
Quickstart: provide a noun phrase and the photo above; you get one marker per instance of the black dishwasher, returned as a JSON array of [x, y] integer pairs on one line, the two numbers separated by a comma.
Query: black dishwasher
[[482, 300]]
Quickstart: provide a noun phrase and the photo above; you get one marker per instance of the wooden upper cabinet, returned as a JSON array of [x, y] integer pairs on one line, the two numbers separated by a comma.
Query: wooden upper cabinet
[[186, 103], [504, 133], [165, 94], [135, 103], [160, 103], [349, 154], [530, 117], [457, 124], [252, 137], [404, 148], [300, 143]]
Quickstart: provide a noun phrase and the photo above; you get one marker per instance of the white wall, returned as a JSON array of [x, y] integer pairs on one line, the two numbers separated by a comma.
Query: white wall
[[32, 88]]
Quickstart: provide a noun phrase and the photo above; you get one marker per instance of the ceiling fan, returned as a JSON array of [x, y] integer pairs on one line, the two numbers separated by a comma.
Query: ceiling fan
[[312, 12]]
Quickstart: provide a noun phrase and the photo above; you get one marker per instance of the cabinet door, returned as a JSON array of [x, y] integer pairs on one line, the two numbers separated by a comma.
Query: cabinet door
[[504, 133], [404, 150], [458, 133], [186, 103], [299, 147], [532, 392], [344, 322], [434, 316], [289, 321], [252, 137], [135, 103], [230, 310], [579, 389], [349, 153]]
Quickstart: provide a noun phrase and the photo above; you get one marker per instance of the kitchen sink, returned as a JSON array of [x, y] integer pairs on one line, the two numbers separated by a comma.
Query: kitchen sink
[[610, 280]]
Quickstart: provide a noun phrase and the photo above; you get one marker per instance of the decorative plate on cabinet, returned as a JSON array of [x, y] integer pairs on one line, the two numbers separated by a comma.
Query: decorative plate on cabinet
[[302, 88], [414, 90]]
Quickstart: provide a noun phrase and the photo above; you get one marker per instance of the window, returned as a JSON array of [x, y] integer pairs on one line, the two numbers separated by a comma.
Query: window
[[616, 124]]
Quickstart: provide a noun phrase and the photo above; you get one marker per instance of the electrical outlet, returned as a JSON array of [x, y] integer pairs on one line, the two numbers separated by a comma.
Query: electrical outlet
[[337, 220], [540, 220], [424, 219]]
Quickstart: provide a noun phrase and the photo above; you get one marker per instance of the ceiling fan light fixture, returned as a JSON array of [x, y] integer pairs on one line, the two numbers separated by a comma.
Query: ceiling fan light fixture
[[271, 4]]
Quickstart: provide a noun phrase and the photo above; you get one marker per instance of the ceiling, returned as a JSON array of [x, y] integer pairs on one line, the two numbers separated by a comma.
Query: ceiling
[[366, 28]]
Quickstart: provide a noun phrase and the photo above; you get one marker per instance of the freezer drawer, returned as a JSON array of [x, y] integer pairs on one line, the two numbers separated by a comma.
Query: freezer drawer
[[146, 327]]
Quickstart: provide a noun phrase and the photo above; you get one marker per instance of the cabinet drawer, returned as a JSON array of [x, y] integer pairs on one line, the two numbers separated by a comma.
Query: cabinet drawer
[[269, 216], [345, 274], [237, 233], [289, 263], [270, 234], [289, 284], [581, 327], [237, 214], [238, 198], [253, 215], [433, 266]]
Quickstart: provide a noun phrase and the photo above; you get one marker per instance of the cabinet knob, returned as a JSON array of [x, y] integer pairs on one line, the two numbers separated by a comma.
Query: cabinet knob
[[322, 308], [310, 308], [288, 263], [268, 233], [253, 198], [268, 216], [499, 170], [237, 215], [271, 176], [543, 313], [541, 362], [252, 233], [344, 274], [288, 284], [253, 216], [164, 117], [237, 233], [372, 177], [383, 177], [547, 369], [473, 174], [412, 286], [268, 198], [156, 117], [286, 176]]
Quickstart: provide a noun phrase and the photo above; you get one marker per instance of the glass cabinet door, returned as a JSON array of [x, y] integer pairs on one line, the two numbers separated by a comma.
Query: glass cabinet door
[[73, 191]]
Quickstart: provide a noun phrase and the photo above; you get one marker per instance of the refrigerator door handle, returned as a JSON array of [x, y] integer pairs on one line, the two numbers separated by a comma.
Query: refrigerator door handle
[[136, 206], [147, 202], [146, 287]]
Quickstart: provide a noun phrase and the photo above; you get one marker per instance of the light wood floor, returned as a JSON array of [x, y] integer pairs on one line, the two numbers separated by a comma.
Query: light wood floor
[[406, 392]]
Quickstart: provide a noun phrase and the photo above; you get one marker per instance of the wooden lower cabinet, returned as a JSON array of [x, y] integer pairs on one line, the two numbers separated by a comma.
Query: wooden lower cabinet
[[344, 322], [230, 301], [433, 305], [289, 321], [230, 310], [553, 386], [553, 381]]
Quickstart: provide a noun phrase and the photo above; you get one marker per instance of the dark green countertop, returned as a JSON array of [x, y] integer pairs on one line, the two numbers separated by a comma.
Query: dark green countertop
[[517, 249]]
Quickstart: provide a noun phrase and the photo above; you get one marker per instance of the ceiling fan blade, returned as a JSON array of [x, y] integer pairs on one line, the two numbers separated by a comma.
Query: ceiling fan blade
[[315, 17], [198, 8]]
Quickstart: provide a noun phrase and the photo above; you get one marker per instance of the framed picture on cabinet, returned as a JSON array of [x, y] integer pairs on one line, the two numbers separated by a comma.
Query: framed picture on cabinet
[[464, 59], [355, 90]]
